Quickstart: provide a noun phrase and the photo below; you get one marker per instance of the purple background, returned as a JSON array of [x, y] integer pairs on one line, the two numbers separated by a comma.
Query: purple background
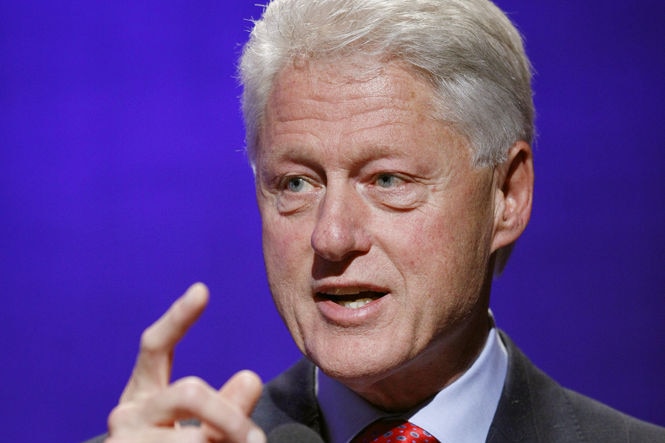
[[122, 181]]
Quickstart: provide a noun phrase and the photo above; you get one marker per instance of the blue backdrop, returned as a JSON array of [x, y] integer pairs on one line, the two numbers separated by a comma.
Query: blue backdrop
[[122, 181]]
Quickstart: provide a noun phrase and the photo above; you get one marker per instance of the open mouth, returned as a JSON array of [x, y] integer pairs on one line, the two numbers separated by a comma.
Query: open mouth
[[351, 299]]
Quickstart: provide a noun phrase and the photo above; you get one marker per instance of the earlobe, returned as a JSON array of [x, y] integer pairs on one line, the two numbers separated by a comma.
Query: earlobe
[[514, 195]]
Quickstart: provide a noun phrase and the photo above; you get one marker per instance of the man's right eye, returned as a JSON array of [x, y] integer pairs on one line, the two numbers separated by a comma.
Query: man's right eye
[[296, 184], [295, 193]]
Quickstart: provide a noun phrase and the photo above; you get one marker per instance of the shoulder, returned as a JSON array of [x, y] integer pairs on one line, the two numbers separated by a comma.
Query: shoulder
[[289, 398], [533, 407], [609, 425]]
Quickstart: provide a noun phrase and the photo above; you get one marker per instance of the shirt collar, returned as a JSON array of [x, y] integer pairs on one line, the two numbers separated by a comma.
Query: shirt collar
[[462, 412]]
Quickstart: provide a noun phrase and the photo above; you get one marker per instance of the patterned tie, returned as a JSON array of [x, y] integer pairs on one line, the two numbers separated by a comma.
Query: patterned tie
[[393, 431]]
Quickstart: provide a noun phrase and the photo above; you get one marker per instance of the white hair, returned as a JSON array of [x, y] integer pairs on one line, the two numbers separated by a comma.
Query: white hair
[[467, 49]]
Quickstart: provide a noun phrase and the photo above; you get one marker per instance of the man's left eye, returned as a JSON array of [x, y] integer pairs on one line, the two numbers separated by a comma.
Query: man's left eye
[[388, 180]]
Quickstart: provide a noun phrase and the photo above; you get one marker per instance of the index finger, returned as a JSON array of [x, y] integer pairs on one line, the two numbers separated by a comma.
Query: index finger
[[152, 370]]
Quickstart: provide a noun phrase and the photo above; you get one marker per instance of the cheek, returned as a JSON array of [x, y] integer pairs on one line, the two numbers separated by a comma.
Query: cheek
[[419, 238], [278, 270], [287, 254], [438, 253], [288, 266]]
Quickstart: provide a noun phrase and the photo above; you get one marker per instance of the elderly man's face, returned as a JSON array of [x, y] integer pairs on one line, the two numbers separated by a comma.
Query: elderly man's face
[[377, 229]]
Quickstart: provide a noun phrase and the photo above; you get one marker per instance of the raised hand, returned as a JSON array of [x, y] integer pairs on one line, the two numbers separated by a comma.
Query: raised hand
[[151, 408]]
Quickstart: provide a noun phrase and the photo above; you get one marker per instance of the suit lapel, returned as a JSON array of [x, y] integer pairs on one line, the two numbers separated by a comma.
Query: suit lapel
[[290, 398], [533, 407]]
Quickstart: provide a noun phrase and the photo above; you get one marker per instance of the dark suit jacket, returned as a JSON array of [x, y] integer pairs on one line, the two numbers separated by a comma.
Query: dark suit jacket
[[532, 408]]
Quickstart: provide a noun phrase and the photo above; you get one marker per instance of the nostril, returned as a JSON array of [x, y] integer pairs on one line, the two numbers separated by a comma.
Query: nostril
[[337, 240]]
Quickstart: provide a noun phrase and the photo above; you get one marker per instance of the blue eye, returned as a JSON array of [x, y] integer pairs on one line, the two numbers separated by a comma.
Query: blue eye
[[295, 184], [387, 180]]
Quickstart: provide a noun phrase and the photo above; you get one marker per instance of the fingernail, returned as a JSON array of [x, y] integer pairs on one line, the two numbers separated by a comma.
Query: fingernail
[[194, 294], [256, 436]]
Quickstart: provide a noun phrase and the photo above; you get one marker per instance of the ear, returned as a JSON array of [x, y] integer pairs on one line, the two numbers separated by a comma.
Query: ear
[[513, 195]]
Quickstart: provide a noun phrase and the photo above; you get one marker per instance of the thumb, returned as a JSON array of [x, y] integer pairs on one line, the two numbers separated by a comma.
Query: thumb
[[243, 390]]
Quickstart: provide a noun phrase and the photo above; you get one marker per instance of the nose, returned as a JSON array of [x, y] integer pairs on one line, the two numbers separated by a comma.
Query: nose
[[341, 226]]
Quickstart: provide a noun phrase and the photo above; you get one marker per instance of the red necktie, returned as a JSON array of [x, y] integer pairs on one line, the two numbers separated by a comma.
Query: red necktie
[[393, 431]]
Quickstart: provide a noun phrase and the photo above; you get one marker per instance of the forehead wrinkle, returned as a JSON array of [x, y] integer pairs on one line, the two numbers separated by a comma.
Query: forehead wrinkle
[[393, 125], [327, 109], [385, 139]]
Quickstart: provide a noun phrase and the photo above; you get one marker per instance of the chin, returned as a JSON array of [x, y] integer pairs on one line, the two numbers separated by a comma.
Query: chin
[[356, 366]]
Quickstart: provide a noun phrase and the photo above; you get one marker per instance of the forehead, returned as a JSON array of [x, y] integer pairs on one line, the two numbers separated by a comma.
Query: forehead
[[348, 82], [349, 93], [356, 110]]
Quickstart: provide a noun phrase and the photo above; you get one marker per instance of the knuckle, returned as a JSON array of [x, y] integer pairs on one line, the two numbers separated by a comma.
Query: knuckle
[[122, 415], [150, 342], [191, 391]]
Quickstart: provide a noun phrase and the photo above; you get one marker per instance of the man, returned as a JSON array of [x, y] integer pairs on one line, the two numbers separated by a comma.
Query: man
[[391, 145]]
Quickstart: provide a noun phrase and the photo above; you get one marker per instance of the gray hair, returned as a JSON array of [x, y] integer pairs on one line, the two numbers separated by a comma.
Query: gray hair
[[467, 49]]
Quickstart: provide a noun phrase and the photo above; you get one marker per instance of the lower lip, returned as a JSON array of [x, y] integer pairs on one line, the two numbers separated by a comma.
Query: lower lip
[[349, 317]]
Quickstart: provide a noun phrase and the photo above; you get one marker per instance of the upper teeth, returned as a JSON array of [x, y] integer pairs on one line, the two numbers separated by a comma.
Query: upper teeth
[[355, 304], [344, 291]]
